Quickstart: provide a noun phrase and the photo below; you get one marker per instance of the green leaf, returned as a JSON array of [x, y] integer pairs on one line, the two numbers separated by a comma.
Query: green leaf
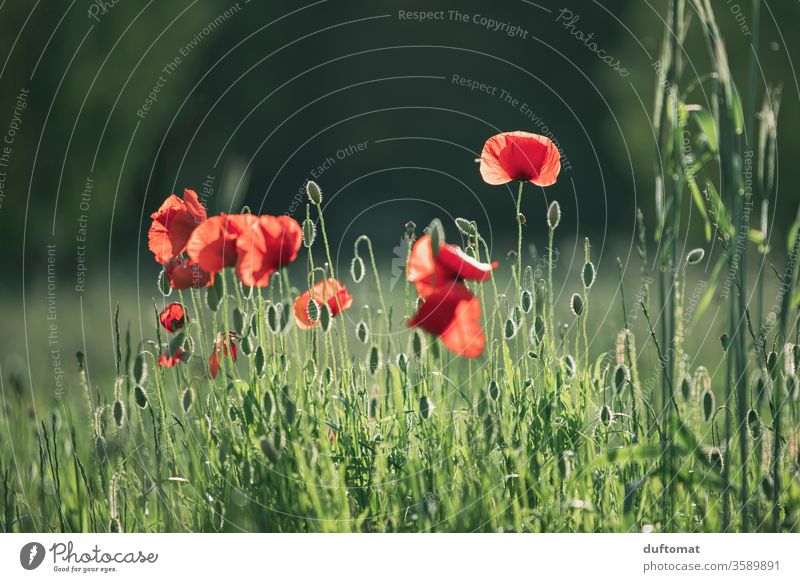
[[705, 122]]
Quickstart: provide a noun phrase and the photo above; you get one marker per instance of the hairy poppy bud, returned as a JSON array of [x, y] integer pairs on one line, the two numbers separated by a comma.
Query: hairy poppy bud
[[588, 275], [553, 215], [437, 235], [576, 305], [494, 390], [708, 405], [309, 232], [606, 415], [687, 387], [314, 193], [425, 407], [695, 256], [716, 459], [357, 269], [466, 227], [621, 377]]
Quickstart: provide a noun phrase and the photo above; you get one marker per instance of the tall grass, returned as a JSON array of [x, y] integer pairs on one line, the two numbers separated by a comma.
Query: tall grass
[[360, 424]]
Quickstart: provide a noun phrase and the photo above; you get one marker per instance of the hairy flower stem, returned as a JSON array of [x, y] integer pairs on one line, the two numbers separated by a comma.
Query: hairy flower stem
[[386, 317], [552, 315], [519, 239], [344, 347]]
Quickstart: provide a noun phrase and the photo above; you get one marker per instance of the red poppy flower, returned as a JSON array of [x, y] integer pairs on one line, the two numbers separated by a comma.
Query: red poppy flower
[[329, 291], [213, 243], [450, 265], [453, 314], [221, 347], [173, 224], [173, 317], [265, 246], [518, 155], [167, 361], [183, 274]]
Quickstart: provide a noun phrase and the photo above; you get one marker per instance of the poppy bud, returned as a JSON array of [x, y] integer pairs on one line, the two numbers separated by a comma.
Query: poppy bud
[[164, 284], [325, 317], [510, 329], [314, 193], [273, 317], [695, 256], [588, 275], [309, 232], [362, 332], [425, 407], [725, 340], [269, 404], [772, 365], [716, 460], [687, 387], [140, 396], [402, 362], [538, 329], [708, 405], [239, 321], [576, 305], [494, 390], [621, 377], [411, 228], [418, 344], [214, 294], [466, 227], [119, 413], [312, 310], [606, 415], [437, 235], [526, 301], [357, 269], [553, 215], [374, 360], [260, 362], [139, 369]]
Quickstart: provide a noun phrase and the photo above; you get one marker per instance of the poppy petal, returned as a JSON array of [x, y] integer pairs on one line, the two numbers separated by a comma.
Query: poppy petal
[[520, 155], [212, 245], [462, 265], [453, 314], [173, 317], [173, 224], [185, 275], [266, 246], [423, 270], [329, 291], [167, 361]]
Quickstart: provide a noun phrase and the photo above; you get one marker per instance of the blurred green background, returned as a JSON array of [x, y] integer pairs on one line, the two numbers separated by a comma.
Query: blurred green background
[[254, 98]]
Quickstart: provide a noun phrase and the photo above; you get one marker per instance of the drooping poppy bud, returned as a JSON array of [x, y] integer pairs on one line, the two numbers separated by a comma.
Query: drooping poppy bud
[[173, 317]]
